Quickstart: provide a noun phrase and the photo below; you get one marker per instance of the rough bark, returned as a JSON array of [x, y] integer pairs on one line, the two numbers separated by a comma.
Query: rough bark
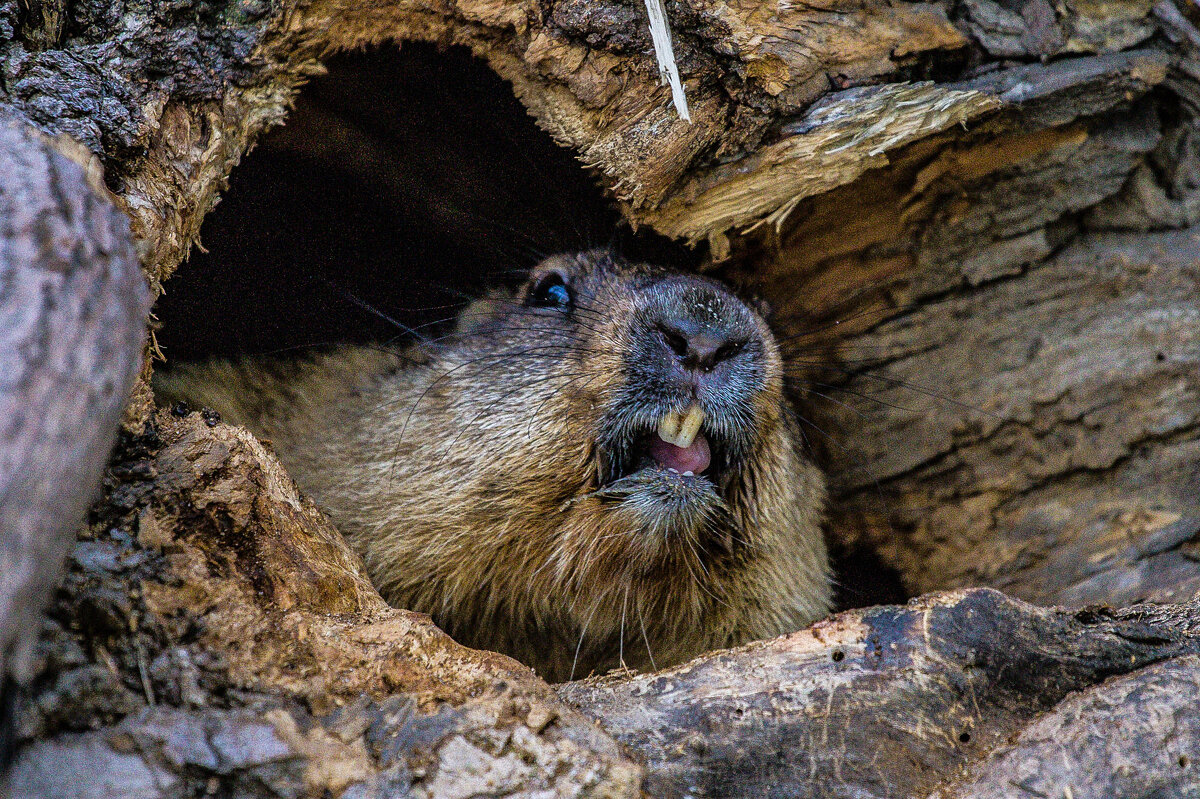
[[1074, 480], [947, 203], [1087, 746], [72, 323], [961, 694], [216, 635], [170, 98]]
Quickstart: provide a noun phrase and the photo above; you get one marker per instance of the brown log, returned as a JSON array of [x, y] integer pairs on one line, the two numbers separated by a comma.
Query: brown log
[[946, 695], [73, 303], [216, 631], [232, 643], [1077, 475], [948, 205]]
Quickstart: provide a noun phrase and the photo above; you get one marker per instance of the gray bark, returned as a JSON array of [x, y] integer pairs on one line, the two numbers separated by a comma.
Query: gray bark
[[953, 694], [933, 211], [73, 304]]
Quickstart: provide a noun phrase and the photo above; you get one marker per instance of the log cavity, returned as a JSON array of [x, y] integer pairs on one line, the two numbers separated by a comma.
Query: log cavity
[[403, 182], [407, 179]]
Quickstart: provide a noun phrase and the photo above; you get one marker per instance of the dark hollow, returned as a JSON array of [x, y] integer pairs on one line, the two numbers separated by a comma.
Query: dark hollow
[[404, 182]]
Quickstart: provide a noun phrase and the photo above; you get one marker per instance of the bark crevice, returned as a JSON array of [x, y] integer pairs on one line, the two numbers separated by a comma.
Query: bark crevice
[[989, 201]]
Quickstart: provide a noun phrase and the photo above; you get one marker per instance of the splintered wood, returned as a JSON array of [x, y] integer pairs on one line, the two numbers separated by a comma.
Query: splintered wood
[[974, 229]]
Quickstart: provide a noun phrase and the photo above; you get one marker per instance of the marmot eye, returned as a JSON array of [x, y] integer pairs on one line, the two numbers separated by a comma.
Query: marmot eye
[[551, 292]]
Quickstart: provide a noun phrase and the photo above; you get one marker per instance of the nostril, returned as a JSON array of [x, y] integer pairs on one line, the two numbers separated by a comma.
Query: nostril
[[675, 340], [706, 352], [728, 350], [699, 350]]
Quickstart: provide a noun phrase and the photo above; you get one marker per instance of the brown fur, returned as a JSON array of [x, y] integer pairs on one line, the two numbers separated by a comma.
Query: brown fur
[[466, 476]]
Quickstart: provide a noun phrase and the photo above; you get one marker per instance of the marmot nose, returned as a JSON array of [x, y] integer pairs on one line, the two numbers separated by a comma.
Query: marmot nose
[[698, 347]]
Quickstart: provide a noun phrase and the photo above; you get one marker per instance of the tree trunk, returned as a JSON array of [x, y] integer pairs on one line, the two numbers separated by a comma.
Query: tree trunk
[[971, 218], [965, 694], [72, 324]]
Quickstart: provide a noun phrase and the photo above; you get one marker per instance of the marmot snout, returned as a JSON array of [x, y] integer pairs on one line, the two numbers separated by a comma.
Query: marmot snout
[[599, 468]]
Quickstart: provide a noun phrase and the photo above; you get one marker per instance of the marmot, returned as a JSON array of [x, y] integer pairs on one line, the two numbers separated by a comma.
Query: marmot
[[598, 469]]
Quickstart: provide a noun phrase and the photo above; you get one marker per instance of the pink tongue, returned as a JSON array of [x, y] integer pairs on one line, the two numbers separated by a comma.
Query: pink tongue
[[693, 459]]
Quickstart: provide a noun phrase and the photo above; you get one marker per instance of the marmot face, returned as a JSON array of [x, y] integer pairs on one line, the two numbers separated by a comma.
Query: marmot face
[[676, 384]]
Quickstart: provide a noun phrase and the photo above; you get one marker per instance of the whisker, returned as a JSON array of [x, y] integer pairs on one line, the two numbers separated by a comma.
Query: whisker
[[579, 646], [533, 416], [917, 389], [487, 409], [851, 408], [645, 638], [621, 643], [781, 340], [431, 386]]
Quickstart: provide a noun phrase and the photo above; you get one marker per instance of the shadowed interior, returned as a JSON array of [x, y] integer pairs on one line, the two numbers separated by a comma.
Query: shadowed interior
[[413, 161]]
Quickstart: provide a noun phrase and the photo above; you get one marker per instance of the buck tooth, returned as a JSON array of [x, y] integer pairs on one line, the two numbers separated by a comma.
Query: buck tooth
[[689, 427], [668, 427], [688, 473]]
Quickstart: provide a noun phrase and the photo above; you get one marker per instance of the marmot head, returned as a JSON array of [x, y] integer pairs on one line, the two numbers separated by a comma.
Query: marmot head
[[673, 387]]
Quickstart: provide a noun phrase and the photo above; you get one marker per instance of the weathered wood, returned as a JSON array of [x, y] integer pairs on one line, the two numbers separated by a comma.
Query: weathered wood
[[829, 162], [217, 634], [586, 70], [1136, 735], [1079, 468], [73, 304], [939, 301], [896, 701]]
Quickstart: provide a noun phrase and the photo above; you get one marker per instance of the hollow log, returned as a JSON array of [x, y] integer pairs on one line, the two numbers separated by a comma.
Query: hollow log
[[966, 694], [858, 162], [215, 632], [72, 323], [974, 222]]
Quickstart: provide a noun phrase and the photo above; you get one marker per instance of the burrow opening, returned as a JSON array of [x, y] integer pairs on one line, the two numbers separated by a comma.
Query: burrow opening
[[413, 161], [418, 162]]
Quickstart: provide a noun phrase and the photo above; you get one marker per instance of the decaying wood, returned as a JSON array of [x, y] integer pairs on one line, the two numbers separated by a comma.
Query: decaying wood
[[962, 344], [72, 323], [948, 204], [1086, 744], [1082, 459], [947, 695], [216, 631], [169, 128]]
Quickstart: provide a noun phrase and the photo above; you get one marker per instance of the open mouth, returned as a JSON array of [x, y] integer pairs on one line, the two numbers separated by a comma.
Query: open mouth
[[678, 445], [677, 448]]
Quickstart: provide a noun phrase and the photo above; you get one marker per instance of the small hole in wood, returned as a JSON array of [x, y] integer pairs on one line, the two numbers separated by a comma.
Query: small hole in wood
[[838, 656], [965, 737]]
